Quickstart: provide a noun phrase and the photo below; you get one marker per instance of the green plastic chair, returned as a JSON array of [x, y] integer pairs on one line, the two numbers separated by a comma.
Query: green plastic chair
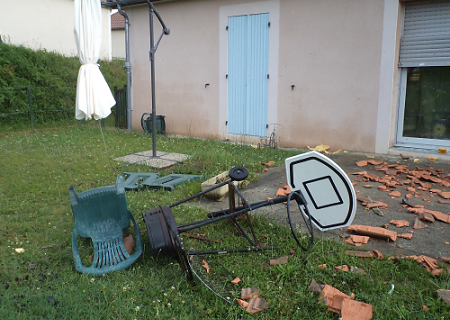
[[102, 214]]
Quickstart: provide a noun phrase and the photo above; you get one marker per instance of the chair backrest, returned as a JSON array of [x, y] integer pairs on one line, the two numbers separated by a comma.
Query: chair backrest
[[101, 212]]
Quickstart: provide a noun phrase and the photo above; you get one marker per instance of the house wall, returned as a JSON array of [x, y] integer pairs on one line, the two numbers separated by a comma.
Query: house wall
[[46, 24], [118, 43], [331, 51]]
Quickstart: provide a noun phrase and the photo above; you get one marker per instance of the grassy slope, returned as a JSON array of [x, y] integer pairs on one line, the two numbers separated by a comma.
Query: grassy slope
[[53, 79], [35, 173]]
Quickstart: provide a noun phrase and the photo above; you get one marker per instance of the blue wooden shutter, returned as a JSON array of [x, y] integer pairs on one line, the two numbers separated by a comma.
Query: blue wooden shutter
[[248, 60]]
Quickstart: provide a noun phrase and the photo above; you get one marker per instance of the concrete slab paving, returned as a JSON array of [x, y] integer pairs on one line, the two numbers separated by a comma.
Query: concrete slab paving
[[432, 240]]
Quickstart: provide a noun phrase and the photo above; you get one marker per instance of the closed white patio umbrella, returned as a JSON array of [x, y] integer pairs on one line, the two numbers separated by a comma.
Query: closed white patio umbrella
[[94, 98]]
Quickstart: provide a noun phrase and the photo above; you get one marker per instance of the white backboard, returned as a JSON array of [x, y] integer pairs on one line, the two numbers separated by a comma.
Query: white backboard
[[328, 191]]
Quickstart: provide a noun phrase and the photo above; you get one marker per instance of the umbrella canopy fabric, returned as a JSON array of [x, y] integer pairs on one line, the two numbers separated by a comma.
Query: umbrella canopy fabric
[[94, 98]]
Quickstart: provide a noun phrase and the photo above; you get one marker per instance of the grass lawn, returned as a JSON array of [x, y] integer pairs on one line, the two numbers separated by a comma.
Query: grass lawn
[[36, 171]]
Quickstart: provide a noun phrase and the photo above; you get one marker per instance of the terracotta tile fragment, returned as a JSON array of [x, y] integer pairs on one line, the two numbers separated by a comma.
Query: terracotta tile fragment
[[442, 201], [344, 268], [291, 251], [427, 217], [360, 173], [373, 231], [359, 239], [378, 254], [445, 195], [373, 177], [446, 259], [400, 223], [280, 260], [322, 266], [248, 293], [242, 303], [446, 242], [419, 224], [395, 194], [314, 286], [377, 204], [205, 265], [356, 310], [361, 163], [257, 305], [265, 170], [408, 196], [361, 254], [436, 272], [444, 294], [333, 298], [284, 190], [405, 235], [375, 162], [382, 187], [235, 280], [352, 243], [268, 164]]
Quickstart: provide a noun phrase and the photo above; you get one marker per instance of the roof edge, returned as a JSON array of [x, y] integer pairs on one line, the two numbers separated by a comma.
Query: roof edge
[[123, 3]]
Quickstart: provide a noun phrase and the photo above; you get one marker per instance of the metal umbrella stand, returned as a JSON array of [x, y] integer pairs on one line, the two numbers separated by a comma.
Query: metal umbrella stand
[[153, 48], [164, 233]]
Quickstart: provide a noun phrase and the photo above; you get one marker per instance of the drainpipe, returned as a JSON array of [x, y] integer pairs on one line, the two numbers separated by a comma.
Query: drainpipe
[[127, 65]]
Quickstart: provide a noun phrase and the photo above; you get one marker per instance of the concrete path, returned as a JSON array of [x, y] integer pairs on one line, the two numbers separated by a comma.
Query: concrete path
[[431, 240]]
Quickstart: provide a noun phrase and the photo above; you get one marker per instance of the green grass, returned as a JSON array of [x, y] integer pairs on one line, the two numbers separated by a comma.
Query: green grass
[[36, 171]]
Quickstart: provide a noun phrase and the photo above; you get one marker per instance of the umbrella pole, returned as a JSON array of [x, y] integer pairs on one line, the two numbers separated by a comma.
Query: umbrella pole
[[152, 80]]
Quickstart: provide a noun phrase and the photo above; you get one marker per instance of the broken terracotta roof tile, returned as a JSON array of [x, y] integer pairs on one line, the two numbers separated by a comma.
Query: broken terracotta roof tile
[[442, 201], [361, 163], [446, 259], [376, 204], [445, 195], [373, 231], [382, 187], [314, 286], [439, 215], [359, 239], [268, 164], [360, 173], [427, 217], [257, 305], [344, 268], [235, 280], [352, 243], [356, 310], [419, 224], [322, 266], [400, 223], [372, 176], [444, 295], [205, 265], [405, 235], [242, 303], [280, 260], [361, 254], [248, 293], [408, 196], [395, 194], [375, 162], [378, 254], [333, 298]]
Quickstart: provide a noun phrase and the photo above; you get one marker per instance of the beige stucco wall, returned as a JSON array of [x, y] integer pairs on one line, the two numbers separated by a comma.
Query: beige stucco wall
[[331, 51], [46, 24], [118, 43]]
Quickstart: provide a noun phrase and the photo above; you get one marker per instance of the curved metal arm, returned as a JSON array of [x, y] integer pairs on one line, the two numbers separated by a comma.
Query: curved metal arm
[[165, 29]]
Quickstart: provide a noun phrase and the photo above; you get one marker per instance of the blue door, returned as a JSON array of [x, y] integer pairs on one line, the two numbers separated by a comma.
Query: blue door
[[248, 67]]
